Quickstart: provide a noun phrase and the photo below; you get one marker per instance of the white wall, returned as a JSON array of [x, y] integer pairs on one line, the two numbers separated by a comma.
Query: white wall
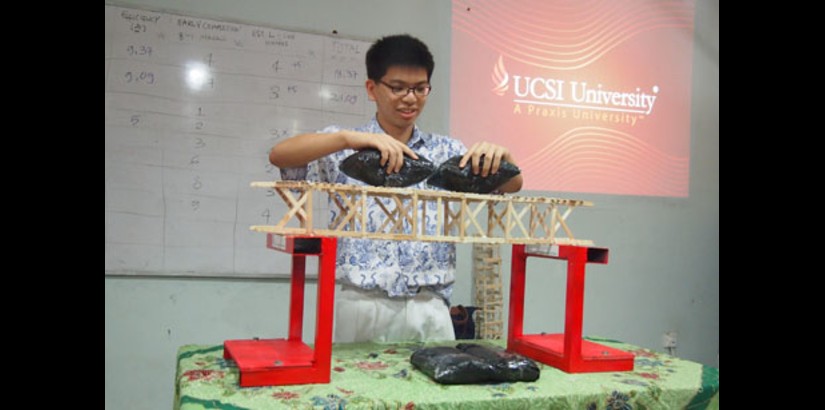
[[663, 272]]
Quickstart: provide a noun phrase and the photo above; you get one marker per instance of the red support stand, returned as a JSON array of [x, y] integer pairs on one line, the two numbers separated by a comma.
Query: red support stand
[[276, 362], [566, 351]]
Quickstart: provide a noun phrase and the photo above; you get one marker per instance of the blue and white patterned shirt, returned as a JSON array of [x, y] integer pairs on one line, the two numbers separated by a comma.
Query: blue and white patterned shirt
[[401, 268]]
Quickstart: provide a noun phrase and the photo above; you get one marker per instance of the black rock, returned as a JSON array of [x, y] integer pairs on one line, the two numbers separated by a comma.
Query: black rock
[[470, 363], [450, 177], [509, 366], [448, 365], [365, 165]]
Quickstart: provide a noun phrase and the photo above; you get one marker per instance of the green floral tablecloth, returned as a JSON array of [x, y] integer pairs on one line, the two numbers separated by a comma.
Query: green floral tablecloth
[[370, 376]]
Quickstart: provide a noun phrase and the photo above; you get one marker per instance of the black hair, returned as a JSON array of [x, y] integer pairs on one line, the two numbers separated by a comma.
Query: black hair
[[398, 50]]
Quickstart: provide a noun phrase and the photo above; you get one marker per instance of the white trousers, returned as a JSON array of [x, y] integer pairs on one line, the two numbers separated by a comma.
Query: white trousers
[[372, 316]]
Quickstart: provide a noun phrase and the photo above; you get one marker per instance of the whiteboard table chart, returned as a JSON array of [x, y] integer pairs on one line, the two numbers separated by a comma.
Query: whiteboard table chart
[[193, 106]]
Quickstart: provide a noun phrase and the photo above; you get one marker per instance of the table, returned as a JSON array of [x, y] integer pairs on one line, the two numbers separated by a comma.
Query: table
[[368, 375]]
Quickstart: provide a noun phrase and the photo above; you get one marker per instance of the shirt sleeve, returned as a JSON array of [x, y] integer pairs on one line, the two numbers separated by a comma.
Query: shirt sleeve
[[319, 170], [294, 174]]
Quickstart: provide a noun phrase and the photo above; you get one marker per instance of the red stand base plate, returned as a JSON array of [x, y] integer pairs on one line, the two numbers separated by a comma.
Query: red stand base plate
[[271, 362], [549, 349]]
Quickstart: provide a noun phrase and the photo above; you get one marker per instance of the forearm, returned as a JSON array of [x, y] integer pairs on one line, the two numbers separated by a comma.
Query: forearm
[[513, 185], [304, 148]]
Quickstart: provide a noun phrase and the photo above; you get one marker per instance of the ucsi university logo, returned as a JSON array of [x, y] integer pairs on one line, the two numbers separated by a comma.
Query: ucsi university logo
[[500, 78], [570, 94], [534, 88]]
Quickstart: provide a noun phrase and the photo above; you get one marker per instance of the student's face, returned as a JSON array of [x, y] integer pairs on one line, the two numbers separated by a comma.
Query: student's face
[[397, 111]]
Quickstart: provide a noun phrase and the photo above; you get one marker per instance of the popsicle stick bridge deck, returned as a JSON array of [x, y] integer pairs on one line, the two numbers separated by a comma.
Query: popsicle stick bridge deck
[[459, 216], [533, 226]]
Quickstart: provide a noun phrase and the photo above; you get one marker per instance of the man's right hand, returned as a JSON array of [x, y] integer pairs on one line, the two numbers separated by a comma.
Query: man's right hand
[[392, 151]]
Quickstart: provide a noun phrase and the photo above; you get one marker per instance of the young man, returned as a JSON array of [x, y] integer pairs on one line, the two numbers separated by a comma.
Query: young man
[[390, 290]]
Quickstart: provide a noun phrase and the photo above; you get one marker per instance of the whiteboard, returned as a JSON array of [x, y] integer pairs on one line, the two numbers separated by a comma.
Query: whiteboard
[[193, 106]]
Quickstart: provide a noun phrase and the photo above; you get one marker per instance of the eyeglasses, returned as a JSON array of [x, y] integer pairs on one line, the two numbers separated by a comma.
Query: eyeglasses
[[419, 90]]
